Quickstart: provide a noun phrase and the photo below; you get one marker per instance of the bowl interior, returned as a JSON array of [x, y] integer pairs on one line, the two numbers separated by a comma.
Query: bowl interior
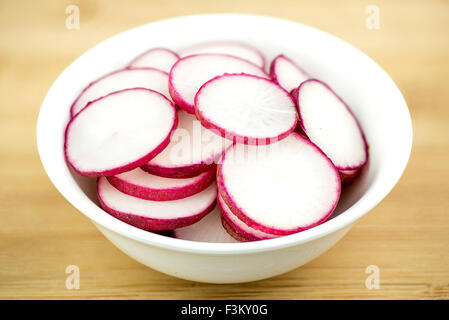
[[370, 93]]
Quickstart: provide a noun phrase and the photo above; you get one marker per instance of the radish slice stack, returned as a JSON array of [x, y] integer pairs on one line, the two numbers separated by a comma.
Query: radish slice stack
[[155, 215], [246, 157], [302, 180], [144, 185], [239, 229]]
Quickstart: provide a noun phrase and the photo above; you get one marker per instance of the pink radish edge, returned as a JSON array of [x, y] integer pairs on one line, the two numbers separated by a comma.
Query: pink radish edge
[[178, 172], [177, 97], [151, 224], [128, 166], [236, 230], [233, 232], [207, 123], [227, 198], [348, 176], [273, 72], [174, 193], [184, 171], [101, 78], [295, 93]]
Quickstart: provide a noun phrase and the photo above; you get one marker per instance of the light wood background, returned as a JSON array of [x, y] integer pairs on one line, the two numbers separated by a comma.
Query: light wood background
[[406, 236]]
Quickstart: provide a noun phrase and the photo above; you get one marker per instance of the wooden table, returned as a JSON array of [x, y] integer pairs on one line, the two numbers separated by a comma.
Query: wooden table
[[406, 236]]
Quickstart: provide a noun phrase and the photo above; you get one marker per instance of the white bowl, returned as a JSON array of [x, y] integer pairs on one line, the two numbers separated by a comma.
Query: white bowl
[[369, 91]]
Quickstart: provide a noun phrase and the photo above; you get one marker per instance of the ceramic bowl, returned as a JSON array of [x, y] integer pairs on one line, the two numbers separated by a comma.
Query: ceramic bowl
[[368, 90]]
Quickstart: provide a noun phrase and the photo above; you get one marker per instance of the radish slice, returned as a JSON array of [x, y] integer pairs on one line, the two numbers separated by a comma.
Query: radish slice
[[233, 48], [286, 73], [122, 79], [159, 58], [239, 227], [291, 186], [232, 231], [192, 150], [347, 176], [144, 185], [246, 108], [155, 215], [330, 124], [119, 132], [208, 229], [190, 73]]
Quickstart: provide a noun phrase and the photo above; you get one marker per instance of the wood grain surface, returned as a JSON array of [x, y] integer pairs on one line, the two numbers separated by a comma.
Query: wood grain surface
[[406, 236]]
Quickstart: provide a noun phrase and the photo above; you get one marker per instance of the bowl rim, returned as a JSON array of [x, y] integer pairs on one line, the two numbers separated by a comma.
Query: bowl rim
[[367, 202]]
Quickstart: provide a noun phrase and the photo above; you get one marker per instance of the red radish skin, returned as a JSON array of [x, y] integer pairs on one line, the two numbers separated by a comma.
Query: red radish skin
[[188, 74], [323, 186], [107, 146], [233, 232], [239, 227], [223, 99], [319, 125], [127, 78], [233, 48], [208, 229], [286, 73], [348, 176], [158, 58], [141, 184], [204, 149], [155, 215]]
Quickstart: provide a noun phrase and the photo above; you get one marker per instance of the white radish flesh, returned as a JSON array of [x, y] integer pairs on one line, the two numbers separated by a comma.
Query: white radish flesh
[[144, 185], [208, 229], [233, 48], [122, 79], [330, 124], [191, 72], [119, 132], [159, 58], [291, 186], [246, 108], [193, 149], [155, 215], [286, 73]]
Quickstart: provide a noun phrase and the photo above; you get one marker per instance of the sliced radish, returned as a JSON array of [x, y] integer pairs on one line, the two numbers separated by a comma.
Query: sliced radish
[[119, 132], [208, 229], [232, 231], [155, 215], [286, 73], [233, 48], [148, 78], [192, 150], [144, 185], [330, 124], [159, 58], [238, 227], [291, 186], [246, 108], [190, 73], [347, 176]]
